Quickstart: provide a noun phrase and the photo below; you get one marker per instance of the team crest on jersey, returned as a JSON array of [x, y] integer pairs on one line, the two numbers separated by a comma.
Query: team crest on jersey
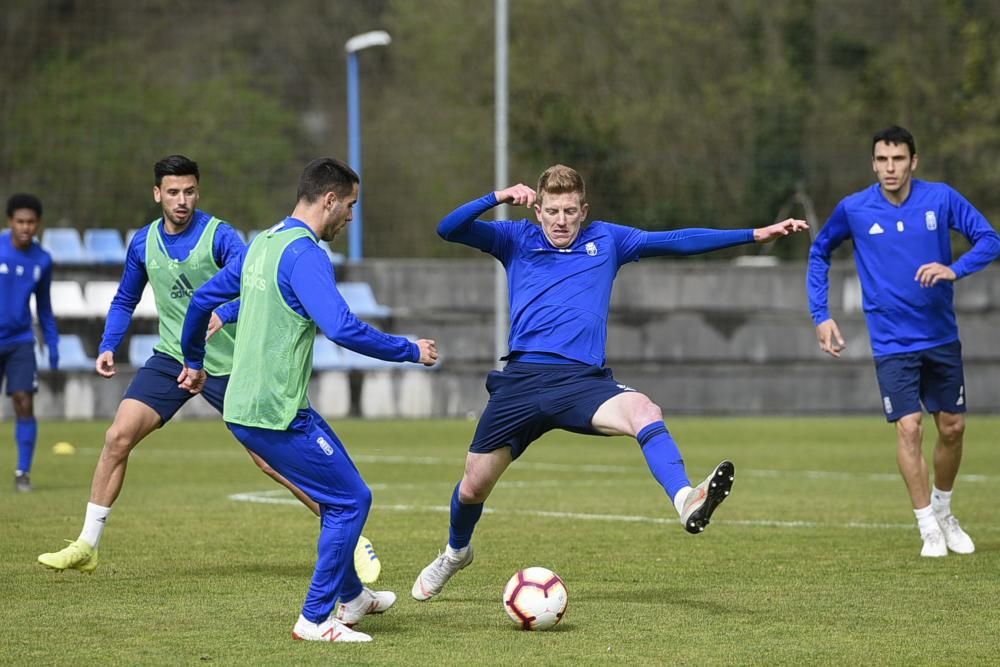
[[931, 220], [591, 248]]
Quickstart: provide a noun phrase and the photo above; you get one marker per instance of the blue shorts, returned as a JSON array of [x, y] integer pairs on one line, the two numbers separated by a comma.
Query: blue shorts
[[156, 385], [527, 400], [17, 365], [933, 377], [310, 455]]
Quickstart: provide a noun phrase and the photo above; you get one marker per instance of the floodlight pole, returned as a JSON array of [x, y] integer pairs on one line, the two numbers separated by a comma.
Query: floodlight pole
[[500, 315], [352, 46]]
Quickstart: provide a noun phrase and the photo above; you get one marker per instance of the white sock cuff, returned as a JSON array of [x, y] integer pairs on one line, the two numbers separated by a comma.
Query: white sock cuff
[[925, 519], [93, 524], [938, 494], [680, 497], [456, 554]]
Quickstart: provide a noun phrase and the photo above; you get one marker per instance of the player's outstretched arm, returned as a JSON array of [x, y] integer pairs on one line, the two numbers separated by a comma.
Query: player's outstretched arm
[[779, 229], [830, 340]]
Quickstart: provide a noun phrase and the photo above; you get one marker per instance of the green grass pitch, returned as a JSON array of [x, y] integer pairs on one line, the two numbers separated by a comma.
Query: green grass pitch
[[813, 559]]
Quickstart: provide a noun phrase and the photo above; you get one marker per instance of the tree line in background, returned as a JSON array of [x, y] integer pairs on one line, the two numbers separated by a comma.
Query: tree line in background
[[678, 113]]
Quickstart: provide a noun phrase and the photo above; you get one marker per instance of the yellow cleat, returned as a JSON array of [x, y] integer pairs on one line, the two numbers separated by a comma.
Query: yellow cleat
[[366, 561], [77, 556]]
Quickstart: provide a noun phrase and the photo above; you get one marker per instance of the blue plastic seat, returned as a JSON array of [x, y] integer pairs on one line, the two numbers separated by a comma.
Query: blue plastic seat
[[361, 300], [72, 356], [140, 348], [104, 246], [327, 355], [65, 246]]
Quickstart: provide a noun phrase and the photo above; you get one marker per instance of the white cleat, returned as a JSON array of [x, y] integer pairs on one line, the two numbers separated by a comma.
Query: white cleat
[[433, 577], [702, 500], [368, 602], [330, 630], [956, 538], [934, 544]]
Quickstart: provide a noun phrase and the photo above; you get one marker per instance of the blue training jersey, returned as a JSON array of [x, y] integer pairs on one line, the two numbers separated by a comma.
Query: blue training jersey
[[306, 282], [23, 273], [560, 297], [890, 243], [226, 246]]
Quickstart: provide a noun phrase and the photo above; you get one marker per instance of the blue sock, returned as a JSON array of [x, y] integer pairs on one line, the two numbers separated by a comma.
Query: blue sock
[[25, 432], [463, 521], [663, 458]]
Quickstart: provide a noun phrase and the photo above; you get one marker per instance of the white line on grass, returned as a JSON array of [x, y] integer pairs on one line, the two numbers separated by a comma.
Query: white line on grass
[[559, 467], [281, 497]]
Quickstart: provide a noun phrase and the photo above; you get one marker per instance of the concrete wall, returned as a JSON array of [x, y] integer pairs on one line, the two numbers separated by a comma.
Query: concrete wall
[[697, 337]]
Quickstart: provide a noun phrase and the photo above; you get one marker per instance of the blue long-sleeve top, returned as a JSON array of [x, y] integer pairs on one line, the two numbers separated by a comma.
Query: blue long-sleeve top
[[307, 284], [23, 273], [560, 297], [227, 246], [890, 243]]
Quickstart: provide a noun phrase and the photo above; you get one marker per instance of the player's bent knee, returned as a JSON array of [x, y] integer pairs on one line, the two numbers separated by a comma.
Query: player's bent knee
[[23, 404], [118, 442], [952, 428], [473, 492], [647, 412]]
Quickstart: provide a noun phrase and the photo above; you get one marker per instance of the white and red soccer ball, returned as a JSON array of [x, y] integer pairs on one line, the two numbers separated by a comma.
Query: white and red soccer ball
[[535, 598]]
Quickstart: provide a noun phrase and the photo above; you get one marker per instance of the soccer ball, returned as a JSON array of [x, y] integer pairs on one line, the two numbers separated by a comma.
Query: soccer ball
[[535, 598]]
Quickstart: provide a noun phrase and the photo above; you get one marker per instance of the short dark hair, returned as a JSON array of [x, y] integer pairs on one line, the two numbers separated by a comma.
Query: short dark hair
[[175, 165], [894, 134], [23, 200], [326, 174]]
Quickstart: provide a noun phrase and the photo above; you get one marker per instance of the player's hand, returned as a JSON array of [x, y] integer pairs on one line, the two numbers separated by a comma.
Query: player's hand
[[106, 364], [931, 274], [214, 324], [830, 340], [779, 229], [53, 359], [518, 195], [428, 351], [192, 379]]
